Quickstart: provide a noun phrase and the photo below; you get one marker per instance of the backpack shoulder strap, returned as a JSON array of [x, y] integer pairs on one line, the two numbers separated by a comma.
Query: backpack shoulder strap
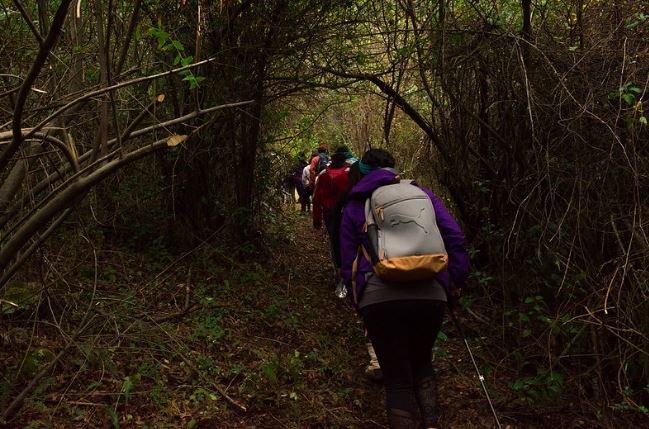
[[369, 247], [369, 213]]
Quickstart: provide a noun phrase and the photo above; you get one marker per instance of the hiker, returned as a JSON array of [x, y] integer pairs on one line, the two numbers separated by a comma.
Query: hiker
[[303, 195], [306, 175], [318, 164], [402, 316], [353, 176], [350, 159], [332, 182], [288, 189], [306, 179], [373, 369]]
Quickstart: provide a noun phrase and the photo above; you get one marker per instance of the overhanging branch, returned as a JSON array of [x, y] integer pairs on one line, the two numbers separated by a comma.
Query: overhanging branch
[[406, 107]]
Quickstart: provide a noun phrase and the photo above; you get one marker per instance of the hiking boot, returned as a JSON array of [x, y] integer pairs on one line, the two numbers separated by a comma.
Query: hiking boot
[[374, 373], [340, 291], [373, 369]]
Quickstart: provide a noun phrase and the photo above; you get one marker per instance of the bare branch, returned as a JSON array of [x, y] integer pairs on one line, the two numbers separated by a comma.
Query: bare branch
[[101, 91], [29, 22], [66, 198], [41, 57]]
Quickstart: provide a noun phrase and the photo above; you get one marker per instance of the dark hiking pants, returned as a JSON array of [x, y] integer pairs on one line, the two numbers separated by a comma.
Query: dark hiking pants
[[403, 334]]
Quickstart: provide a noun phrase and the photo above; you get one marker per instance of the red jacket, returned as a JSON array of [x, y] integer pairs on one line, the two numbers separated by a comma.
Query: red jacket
[[312, 174], [330, 186]]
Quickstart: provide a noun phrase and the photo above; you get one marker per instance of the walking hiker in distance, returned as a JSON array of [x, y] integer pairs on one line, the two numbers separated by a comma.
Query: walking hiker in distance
[[303, 194]]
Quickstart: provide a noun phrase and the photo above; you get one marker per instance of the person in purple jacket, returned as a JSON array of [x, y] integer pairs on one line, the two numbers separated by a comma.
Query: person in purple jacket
[[402, 322]]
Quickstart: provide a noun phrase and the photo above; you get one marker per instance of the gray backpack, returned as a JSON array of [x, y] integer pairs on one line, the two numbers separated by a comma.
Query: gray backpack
[[404, 241]]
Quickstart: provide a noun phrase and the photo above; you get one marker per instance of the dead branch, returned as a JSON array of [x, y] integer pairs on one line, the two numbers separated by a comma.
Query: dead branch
[[207, 379], [18, 400], [38, 64]]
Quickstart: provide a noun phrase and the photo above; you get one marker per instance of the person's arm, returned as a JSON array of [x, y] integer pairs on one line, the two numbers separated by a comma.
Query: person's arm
[[335, 235], [318, 194], [312, 174], [454, 241], [348, 247]]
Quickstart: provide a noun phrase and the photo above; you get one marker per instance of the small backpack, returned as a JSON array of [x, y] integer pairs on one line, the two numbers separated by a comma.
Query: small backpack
[[404, 242], [323, 161]]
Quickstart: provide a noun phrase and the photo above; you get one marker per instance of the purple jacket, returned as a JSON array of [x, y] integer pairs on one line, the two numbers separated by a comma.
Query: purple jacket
[[352, 234]]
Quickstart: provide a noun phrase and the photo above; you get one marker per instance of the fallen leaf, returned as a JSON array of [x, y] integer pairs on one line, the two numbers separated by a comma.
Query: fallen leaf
[[176, 139]]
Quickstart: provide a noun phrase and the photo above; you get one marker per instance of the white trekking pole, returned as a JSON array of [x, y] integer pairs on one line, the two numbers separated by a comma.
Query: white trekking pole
[[475, 365]]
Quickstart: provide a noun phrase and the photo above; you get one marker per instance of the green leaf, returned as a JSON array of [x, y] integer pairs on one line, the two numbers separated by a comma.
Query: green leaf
[[556, 377], [519, 384], [179, 46], [629, 99], [187, 60], [642, 120], [268, 370], [523, 317], [526, 333], [162, 37], [441, 336], [127, 387], [529, 300], [114, 418]]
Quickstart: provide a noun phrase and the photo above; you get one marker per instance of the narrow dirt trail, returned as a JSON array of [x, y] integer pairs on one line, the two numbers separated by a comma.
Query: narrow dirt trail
[[462, 403], [305, 267]]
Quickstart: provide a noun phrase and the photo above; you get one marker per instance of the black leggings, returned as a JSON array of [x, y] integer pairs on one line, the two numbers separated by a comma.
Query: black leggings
[[403, 334]]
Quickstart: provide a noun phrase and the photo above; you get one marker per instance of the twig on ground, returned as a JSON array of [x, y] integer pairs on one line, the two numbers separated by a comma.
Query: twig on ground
[[18, 400], [191, 366], [178, 314]]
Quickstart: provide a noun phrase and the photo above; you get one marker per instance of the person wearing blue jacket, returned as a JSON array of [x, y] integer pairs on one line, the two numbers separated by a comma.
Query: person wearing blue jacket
[[402, 321]]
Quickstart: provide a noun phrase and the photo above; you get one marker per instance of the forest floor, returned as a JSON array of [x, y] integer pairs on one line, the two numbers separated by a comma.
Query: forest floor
[[192, 342]]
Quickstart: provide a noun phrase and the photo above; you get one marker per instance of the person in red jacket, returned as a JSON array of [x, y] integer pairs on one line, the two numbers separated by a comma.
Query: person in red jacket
[[330, 185], [316, 166]]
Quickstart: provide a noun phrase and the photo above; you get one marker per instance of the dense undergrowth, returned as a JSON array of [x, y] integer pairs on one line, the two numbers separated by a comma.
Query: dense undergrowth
[[159, 340], [156, 339]]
